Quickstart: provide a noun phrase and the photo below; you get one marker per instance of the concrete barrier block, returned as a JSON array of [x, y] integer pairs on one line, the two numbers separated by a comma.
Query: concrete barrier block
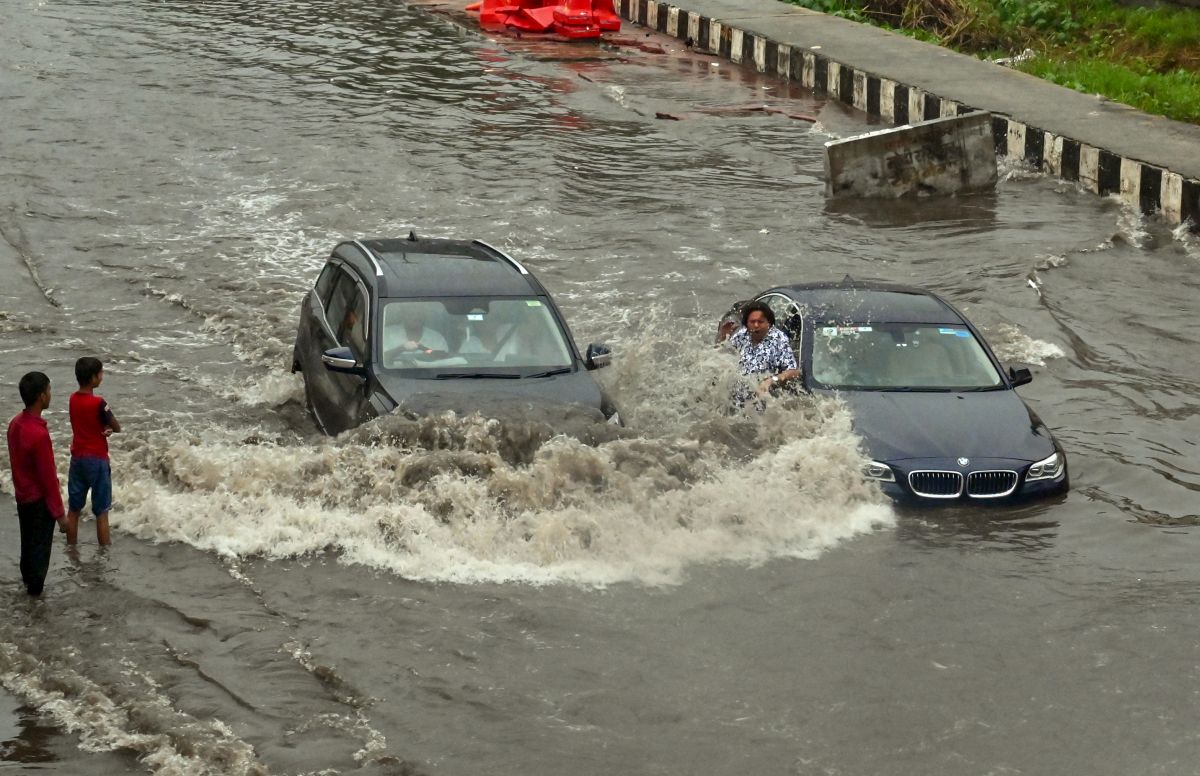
[[942, 156], [1172, 197], [1131, 181], [1089, 168], [809, 77], [1015, 146], [916, 105], [860, 90], [1054, 154], [887, 100], [783, 63]]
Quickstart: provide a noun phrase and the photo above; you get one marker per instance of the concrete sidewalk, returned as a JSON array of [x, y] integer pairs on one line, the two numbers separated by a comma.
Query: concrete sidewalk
[[1108, 148]]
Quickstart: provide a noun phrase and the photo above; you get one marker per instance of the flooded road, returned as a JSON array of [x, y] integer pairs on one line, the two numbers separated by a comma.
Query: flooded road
[[703, 595]]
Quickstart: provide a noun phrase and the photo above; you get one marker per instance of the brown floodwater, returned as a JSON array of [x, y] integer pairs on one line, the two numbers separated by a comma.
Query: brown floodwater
[[698, 594]]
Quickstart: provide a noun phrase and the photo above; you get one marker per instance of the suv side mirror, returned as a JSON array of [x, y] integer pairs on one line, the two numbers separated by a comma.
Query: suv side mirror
[[342, 360], [597, 356], [1019, 376]]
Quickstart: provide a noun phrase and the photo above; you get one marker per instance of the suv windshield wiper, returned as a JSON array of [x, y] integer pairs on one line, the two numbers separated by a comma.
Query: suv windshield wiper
[[551, 372], [916, 389], [476, 376]]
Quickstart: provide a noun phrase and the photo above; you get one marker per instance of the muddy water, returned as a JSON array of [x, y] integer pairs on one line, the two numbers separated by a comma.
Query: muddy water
[[458, 595]]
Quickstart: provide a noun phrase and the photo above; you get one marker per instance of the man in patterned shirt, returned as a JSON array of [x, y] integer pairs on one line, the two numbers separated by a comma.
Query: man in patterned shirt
[[765, 350]]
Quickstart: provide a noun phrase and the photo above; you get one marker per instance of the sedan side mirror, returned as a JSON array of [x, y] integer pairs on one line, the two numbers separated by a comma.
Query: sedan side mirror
[[597, 356], [342, 360], [1019, 376]]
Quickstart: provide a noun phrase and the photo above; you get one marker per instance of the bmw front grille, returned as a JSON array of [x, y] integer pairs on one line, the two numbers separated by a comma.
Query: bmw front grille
[[936, 484], [991, 484]]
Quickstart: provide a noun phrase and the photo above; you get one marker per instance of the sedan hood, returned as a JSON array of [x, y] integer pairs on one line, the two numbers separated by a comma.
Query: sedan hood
[[899, 425]]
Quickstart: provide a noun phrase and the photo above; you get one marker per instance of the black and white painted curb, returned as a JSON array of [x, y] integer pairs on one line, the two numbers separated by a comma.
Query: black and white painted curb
[[1151, 188]]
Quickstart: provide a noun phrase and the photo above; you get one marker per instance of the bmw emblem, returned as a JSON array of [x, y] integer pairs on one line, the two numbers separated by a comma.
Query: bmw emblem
[[964, 461]]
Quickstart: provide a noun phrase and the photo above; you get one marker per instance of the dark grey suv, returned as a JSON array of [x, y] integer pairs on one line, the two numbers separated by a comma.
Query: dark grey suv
[[390, 321]]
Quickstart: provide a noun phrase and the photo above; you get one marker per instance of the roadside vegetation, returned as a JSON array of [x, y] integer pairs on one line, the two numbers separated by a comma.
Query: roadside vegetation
[[1146, 57]]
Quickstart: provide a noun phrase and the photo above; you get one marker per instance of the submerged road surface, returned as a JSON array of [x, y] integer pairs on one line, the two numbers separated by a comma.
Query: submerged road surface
[[703, 595]]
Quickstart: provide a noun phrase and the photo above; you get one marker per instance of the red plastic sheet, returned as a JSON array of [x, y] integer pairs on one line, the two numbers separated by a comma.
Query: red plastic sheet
[[569, 18]]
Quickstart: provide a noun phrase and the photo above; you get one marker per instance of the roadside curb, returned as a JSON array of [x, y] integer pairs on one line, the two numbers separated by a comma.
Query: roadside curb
[[1150, 162]]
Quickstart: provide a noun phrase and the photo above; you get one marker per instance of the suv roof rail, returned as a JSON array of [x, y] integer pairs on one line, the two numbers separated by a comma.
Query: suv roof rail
[[370, 255], [503, 255]]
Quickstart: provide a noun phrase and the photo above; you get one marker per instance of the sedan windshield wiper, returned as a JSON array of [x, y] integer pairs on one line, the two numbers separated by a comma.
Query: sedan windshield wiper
[[551, 372], [476, 376]]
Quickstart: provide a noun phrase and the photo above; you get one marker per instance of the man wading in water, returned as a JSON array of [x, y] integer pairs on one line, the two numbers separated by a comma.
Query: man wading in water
[[764, 350], [35, 481]]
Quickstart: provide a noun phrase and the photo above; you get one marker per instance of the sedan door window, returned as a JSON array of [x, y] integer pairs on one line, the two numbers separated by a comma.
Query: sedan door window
[[787, 317]]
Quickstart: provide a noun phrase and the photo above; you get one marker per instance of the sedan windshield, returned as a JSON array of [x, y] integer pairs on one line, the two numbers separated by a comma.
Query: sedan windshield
[[444, 337], [901, 356]]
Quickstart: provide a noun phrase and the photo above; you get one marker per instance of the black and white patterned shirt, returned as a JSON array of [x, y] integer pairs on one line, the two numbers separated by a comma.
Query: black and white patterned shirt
[[771, 356]]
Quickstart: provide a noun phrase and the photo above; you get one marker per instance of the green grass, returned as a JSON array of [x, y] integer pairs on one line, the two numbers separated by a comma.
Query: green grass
[[1175, 94], [1148, 58]]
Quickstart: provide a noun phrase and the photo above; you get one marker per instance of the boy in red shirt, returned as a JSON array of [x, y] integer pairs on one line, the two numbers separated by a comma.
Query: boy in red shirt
[[35, 481], [91, 424]]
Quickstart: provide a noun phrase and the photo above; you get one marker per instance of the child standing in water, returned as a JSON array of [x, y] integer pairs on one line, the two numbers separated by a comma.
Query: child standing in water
[[91, 424]]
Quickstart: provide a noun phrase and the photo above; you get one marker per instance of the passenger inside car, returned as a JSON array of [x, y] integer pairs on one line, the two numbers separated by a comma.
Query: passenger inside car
[[407, 331], [484, 330], [532, 342], [929, 363]]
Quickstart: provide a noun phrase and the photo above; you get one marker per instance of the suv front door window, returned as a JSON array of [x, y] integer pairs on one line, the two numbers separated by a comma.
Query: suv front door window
[[325, 282], [353, 333], [337, 398], [341, 294]]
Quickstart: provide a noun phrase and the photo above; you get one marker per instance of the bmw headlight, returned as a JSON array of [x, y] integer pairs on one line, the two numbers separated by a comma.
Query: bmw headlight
[[880, 472], [1046, 469]]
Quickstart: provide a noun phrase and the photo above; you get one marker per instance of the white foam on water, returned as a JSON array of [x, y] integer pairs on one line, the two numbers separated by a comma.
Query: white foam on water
[[1190, 241], [541, 524], [272, 389], [1011, 169], [1132, 226], [468, 498], [1011, 343], [167, 742]]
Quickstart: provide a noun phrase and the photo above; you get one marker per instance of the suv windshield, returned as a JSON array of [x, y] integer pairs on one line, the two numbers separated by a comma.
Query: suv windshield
[[900, 356], [504, 334]]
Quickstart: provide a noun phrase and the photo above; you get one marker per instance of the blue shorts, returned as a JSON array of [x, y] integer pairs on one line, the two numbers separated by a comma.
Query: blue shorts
[[92, 474]]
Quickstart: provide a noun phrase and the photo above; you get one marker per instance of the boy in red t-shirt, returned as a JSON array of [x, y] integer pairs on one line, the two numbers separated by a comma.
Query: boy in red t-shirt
[[91, 424], [35, 481]]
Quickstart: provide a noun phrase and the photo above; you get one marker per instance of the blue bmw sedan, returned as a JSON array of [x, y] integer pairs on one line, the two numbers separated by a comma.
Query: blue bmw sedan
[[937, 411]]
